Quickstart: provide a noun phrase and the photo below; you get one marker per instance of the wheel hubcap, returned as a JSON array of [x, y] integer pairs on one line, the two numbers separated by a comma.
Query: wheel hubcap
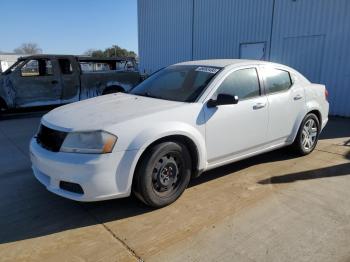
[[166, 174], [309, 134]]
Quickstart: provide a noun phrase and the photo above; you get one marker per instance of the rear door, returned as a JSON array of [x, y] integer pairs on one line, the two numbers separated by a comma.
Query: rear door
[[70, 79], [37, 82], [286, 102]]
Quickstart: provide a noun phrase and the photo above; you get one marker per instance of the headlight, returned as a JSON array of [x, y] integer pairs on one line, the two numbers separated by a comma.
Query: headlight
[[93, 142]]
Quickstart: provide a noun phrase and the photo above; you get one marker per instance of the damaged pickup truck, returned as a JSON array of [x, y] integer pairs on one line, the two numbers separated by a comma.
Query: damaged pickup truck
[[60, 79]]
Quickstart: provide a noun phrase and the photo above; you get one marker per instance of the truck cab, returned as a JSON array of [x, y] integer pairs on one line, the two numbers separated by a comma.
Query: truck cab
[[60, 79]]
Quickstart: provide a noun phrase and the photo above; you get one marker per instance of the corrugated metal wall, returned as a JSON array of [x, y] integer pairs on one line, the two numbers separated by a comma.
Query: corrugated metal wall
[[220, 26], [165, 33], [312, 36]]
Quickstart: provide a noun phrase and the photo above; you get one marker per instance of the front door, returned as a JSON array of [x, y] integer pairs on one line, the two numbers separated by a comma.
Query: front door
[[37, 82], [234, 130]]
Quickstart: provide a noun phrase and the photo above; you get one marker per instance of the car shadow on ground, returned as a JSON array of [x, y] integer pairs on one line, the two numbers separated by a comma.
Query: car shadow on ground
[[332, 171], [274, 156]]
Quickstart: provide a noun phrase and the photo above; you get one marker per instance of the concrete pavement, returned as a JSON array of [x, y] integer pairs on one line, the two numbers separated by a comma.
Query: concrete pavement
[[273, 207]]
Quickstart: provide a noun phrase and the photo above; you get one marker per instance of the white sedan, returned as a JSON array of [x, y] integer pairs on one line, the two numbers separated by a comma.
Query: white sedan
[[184, 119]]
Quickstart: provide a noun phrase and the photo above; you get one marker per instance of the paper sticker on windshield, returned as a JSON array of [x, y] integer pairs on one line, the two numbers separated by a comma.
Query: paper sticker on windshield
[[210, 70]]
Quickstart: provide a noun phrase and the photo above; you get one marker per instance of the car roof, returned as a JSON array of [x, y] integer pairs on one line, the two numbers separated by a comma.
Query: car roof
[[224, 62]]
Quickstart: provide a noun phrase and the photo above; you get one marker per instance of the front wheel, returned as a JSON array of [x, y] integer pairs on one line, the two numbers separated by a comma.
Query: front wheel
[[307, 136], [163, 174]]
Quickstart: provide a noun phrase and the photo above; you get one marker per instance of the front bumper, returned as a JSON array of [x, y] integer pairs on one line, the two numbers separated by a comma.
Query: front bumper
[[101, 176]]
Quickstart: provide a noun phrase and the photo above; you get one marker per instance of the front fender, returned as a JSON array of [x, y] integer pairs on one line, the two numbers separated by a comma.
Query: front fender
[[146, 137], [7, 92], [150, 135]]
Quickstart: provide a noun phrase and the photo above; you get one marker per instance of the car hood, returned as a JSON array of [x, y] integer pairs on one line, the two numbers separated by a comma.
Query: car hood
[[103, 111]]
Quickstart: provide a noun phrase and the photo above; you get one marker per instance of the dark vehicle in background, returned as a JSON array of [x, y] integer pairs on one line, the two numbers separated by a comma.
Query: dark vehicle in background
[[41, 80]]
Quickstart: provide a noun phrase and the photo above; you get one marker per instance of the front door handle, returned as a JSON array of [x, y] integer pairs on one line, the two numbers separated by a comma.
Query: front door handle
[[259, 106], [298, 97], [54, 82]]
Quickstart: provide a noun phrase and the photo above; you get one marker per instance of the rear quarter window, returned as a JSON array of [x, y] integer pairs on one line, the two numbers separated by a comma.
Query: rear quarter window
[[276, 80]]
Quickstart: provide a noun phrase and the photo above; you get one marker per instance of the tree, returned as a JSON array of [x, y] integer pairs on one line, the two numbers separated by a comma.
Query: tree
[[28, 48], [113, 51]]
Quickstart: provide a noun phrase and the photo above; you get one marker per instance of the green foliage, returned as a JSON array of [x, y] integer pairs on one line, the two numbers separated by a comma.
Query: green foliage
[[114, 51]]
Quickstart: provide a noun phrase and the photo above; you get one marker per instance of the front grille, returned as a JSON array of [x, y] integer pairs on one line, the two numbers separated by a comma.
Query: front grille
[[50, 139]]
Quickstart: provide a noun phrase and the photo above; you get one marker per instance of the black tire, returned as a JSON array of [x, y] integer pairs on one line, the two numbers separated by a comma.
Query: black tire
[[163, 174], [299, 143], [112, 90]]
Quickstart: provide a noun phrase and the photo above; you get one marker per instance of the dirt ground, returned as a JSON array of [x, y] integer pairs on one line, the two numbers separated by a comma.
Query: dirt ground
[[273, 207]]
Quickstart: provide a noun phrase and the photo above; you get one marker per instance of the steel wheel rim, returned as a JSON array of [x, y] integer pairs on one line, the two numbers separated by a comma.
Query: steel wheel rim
[[309, 134], [166, 175]]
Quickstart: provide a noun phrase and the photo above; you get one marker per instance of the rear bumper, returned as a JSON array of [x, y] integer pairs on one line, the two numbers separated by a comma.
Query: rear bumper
[[101, 176]]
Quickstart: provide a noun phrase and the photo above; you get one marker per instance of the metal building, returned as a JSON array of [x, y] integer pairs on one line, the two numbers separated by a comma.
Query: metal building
[[312, 36]]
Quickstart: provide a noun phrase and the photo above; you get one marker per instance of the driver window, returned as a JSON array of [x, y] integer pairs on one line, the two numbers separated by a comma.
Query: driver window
[[243, 83], [37, 67]]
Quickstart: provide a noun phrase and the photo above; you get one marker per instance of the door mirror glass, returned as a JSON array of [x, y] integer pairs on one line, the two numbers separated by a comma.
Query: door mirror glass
[[223, 99]]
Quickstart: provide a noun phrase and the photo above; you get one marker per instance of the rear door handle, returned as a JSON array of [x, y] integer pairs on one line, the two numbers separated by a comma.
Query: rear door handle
[[259, 106], [298, 97]]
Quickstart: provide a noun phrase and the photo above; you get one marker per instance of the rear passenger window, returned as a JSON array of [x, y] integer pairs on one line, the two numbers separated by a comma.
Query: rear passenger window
[[88, 67], [276, 80], [65, 66], [243, 83]]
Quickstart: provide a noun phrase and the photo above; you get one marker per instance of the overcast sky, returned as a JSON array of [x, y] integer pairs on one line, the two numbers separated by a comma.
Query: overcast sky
[[68, 26]]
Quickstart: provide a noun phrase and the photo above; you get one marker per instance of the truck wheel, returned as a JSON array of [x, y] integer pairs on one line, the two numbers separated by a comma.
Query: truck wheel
[[112, 90], [163, 174], [307, 136]]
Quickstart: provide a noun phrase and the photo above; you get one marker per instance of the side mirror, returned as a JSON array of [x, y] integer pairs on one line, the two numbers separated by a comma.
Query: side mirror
[[223, 99]]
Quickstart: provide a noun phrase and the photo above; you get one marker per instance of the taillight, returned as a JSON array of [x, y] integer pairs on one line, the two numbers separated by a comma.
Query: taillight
[[326, 93]]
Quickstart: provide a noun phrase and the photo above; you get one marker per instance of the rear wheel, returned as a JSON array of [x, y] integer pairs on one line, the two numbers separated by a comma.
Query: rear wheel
[[308, 133], [163, 174]]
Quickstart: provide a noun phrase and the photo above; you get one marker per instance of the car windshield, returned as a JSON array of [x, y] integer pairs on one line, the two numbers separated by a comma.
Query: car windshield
[[13, 67], [183, 83]]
